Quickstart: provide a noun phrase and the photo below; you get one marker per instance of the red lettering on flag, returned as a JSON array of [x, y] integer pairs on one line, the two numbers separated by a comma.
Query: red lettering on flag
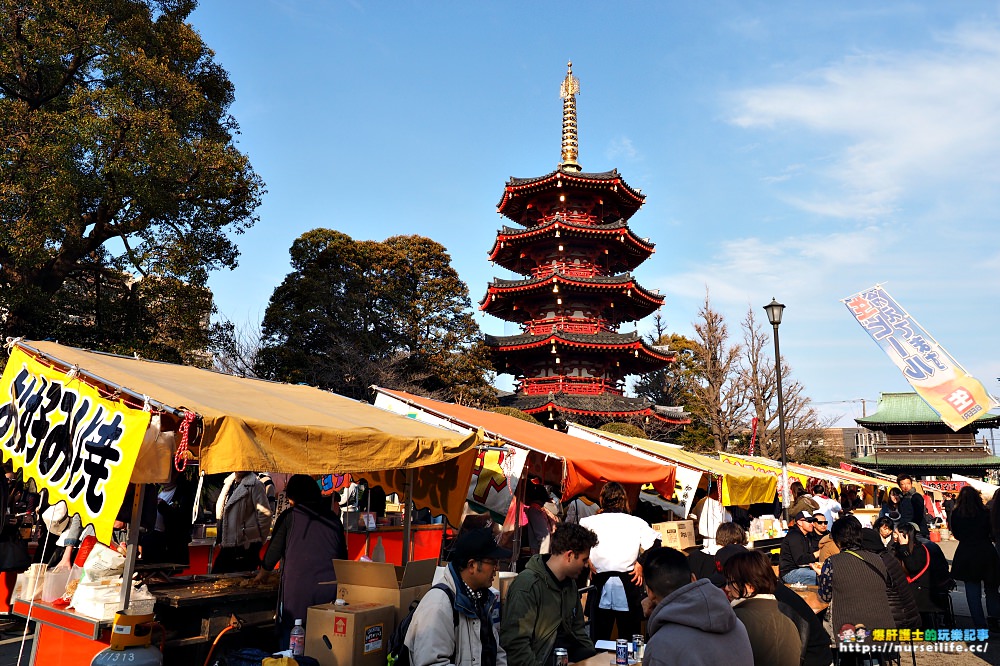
[[961, 400], [862, 308]]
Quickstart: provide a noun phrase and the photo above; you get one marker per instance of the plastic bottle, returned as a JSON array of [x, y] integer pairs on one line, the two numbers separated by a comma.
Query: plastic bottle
[[378, 552], [297, 641]]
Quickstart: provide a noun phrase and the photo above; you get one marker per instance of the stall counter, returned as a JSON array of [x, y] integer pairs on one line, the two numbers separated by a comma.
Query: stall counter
[[62, 636], [425, 544]]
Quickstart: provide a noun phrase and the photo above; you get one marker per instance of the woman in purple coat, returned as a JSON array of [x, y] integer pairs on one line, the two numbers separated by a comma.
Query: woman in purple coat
[[306, 538]]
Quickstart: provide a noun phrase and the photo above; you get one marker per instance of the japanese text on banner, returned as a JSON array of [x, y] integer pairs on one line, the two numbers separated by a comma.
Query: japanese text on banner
[[944, 385], [71, 441]]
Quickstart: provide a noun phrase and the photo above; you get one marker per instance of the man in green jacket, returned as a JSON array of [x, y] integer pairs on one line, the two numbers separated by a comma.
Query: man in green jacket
[[542, 610]]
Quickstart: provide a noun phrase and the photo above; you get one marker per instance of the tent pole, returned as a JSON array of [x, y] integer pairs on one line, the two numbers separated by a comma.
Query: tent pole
[[107, 382], [132, 547], [518, 503], [408, 516]]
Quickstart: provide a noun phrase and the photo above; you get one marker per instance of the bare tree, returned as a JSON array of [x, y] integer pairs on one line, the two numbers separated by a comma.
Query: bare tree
[[720, 395], [803, 424], [758, 373], [235, 347]]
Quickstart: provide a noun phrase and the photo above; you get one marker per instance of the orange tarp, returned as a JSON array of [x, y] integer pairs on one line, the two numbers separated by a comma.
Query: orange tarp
[[587, 466]]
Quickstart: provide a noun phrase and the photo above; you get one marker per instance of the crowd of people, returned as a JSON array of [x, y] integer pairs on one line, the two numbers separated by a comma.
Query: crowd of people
[[723, 602]]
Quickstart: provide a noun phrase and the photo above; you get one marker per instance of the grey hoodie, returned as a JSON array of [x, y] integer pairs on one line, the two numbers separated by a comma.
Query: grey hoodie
[[695, 626]]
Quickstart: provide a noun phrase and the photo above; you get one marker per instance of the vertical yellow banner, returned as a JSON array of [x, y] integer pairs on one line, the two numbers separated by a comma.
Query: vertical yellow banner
[[78, 446]]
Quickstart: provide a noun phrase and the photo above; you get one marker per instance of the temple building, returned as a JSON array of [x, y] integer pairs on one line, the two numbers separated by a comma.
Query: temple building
[[911, 437], [575, 252]]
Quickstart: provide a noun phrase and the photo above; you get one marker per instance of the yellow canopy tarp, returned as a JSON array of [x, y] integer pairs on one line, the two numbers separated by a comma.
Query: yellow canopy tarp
[[250, 424], [738, 485], [851, 478]]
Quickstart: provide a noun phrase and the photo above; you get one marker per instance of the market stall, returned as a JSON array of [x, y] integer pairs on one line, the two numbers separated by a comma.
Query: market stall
[[576, 466], [520, 448], [739, 486], [84, 424]]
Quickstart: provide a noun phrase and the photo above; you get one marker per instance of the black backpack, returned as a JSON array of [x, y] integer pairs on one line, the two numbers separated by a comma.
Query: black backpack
[[398, 654]]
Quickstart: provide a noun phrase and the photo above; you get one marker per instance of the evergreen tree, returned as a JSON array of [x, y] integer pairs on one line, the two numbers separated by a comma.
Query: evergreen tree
[[117, 158], [356, 313]]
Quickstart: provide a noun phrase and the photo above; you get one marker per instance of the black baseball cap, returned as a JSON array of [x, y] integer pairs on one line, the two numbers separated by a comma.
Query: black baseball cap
[[478, 544], [804, 515]]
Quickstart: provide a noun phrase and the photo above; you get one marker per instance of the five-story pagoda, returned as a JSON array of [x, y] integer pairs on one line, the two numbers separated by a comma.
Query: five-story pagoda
[[575, 252]]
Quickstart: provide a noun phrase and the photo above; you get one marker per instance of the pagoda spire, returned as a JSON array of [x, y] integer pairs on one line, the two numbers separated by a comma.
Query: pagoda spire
[[568, 91]]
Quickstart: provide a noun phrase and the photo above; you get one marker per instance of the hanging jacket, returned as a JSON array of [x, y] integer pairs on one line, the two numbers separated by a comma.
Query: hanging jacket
[[244, 513]]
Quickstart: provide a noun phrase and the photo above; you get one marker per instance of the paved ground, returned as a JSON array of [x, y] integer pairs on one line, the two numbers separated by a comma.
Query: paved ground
[[10, 641]]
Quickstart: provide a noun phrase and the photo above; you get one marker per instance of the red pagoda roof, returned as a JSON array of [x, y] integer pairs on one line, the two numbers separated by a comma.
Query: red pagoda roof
[[607, 404], [640, 302], [596, 341], [515, 196], [629, 249], [634, 356]]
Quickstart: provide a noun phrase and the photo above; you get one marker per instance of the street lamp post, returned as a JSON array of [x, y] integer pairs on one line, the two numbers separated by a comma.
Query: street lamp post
[[774, 311]]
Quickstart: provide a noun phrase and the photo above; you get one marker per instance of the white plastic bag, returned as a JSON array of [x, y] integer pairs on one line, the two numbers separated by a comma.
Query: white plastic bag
[[103, 563]]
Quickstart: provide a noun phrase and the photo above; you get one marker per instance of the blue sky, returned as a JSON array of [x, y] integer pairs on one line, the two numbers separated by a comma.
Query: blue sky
[[795, 150]]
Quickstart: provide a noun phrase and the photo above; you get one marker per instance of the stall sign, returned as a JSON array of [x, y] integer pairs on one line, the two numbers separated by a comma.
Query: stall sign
[[495, 477], [685, 487], [78, 446], [945, 486], [956, 396], [334, 483], [773, 470]]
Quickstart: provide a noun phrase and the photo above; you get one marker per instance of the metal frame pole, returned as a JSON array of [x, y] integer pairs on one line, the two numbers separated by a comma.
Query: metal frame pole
[[132, 545], [781, 429]]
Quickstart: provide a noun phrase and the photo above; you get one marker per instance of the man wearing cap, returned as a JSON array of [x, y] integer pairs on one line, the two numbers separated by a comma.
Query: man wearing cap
[[433, 638], [542, 610], [799, 556]]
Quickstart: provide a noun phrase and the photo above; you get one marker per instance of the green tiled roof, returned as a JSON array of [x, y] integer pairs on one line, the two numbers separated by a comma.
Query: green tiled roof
[[906, 408], [906, 460]]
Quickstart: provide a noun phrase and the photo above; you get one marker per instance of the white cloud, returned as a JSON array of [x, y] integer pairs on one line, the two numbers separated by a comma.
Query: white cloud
[[906, 120], [786, 173], [621, 148]]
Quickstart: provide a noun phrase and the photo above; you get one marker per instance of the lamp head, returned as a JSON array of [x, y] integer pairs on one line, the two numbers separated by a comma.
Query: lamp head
[[774, 310]]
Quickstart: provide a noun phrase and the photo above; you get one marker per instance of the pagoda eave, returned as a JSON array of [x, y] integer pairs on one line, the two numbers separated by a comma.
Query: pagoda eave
[[632, 289], [513, 201], [600, 343], [614, 407], [628, 248], [502, 308]]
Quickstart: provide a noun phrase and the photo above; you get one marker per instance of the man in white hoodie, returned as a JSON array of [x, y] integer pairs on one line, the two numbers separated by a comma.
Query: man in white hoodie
[[691, 622]]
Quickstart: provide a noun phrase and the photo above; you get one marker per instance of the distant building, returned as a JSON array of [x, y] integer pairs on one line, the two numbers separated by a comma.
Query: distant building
[[911, 437]]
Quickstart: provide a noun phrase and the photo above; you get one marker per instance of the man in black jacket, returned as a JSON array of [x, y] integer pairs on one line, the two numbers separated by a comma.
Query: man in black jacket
[[911, 507], [798, 561]]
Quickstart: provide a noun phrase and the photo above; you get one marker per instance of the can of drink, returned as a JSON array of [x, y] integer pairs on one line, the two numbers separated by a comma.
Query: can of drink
[[637, 645], [560, 657], [621, 652]]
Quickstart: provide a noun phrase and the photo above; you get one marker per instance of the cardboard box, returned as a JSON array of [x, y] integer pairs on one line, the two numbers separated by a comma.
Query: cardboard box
[[677, 534], [384, 583], [354, 635], [502, 582]]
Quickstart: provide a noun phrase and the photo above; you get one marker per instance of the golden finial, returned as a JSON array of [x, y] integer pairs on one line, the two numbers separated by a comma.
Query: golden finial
[[568, 91]]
